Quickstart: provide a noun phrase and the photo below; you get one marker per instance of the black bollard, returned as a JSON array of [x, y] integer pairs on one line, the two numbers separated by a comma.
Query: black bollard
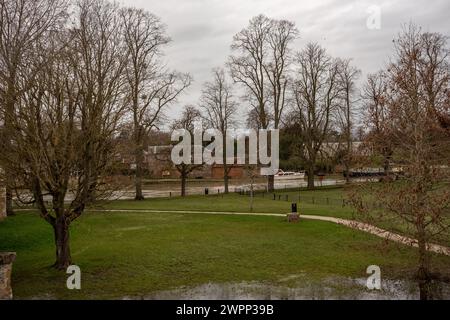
[[294, 208], [294, 216]]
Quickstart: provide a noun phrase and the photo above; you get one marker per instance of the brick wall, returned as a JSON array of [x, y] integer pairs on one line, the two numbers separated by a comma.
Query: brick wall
[[6, 261], [236, 172]]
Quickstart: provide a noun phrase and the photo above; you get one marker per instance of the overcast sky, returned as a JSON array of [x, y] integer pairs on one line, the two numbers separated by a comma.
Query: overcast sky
[[202, 30]]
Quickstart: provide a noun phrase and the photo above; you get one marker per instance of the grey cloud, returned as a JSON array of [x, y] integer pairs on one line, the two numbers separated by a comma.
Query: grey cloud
[[202, 30]]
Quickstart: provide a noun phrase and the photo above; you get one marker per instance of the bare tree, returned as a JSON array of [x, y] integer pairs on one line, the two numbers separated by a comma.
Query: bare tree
[[151, 86], [316, 90], [63, 128], [187, 122], [24, 24], [417, 86], [252, 121], [347, 75], [261, 63], [247, 67], [376, 112], [219, 106], [281, 35]]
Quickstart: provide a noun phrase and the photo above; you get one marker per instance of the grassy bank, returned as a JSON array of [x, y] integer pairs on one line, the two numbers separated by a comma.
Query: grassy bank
[[237, 203], [133, 254]]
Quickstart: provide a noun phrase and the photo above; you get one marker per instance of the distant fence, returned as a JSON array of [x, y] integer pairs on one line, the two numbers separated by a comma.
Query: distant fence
[[294, 196], [298, 198]]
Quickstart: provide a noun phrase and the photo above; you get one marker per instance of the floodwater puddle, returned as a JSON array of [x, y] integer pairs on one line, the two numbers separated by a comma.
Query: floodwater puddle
[[293, 288]]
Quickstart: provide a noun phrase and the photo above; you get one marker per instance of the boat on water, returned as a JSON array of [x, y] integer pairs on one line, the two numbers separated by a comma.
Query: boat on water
[[289, 175]]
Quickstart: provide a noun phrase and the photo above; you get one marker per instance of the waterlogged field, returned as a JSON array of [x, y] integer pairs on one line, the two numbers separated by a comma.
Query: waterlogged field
[[152, 255]]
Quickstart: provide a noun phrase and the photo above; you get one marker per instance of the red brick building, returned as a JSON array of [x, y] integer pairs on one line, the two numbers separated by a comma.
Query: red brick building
[[236, 172]]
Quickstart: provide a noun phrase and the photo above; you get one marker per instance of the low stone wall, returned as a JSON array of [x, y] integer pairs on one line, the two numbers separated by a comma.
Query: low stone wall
[[6, 262]]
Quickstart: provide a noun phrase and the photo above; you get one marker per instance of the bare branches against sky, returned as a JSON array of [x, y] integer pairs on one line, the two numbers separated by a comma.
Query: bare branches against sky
[[202, 30]]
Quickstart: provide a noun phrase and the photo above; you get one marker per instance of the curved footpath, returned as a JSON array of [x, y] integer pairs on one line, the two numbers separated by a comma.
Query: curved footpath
[[348, 223]]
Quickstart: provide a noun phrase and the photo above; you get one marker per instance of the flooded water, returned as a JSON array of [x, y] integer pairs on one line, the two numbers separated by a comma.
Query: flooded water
[[173, 189], [293, 289], [165, 190]]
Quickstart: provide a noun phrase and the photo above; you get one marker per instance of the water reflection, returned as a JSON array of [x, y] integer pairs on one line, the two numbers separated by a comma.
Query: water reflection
[[329, 289], [433, 290]]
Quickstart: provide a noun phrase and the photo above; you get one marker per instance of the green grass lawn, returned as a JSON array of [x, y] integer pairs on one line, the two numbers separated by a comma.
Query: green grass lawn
[[326, 201], [237, 203], [134, 254]]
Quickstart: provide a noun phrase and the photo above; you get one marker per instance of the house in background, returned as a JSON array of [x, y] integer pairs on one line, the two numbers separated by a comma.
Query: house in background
[[158, 163], [236, 172], [160, 166]]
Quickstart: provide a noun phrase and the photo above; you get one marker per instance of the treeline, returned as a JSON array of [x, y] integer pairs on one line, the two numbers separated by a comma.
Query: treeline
[[72, 75]]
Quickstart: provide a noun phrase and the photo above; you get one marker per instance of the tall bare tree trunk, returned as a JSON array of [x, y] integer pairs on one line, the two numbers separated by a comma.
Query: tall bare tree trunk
[[310, 172], [10, 102], [386, 165], [225, 178], [251, 195], [347, 78], [9, 200], [271, 183], [61, 230], [139, 173], [226, 170], [423, 273], [183, 184], [348, 156], [271, 178], [348, 160], [347, 170]]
